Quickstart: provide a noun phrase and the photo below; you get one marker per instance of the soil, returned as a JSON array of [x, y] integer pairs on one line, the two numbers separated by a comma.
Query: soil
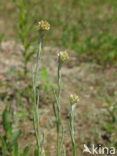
[[90, 81]]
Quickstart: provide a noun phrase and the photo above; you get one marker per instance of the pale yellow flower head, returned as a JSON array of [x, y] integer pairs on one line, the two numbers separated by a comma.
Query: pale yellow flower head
[[73, 99], [43, 26], [63, 56]]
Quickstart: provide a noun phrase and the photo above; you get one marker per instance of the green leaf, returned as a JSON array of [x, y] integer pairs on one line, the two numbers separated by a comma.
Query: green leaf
[[3, 146], [2, 36], [36, 151], [20, 114], [108, 127], [28, 57], [108, 101], [6, 118], [44, 74], [44, 79], [15, 149], [14, 137], [26, 149]]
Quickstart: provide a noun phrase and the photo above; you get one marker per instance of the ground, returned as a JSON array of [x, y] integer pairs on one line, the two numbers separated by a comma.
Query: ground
[[92, 82]]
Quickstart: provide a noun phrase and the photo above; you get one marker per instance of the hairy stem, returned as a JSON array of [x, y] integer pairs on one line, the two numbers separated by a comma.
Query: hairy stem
[[71, 127], [58, 108], [36, 96]]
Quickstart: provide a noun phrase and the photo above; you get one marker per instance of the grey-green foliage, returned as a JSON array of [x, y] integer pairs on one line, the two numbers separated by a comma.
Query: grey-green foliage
[[36, 99], [57, 112], [71, 128]]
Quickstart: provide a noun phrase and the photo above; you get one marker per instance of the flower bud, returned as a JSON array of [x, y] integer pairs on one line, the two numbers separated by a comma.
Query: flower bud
[[43, 26], [73, 99], [63, 56]]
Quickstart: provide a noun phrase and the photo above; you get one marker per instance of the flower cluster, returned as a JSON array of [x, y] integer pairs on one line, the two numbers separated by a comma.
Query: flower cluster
[[43, 26], [73, 99], [63, 56]]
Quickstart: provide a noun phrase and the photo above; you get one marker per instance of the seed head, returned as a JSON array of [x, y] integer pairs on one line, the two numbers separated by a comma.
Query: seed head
[[43, 26], [63, 56], [73, 99]]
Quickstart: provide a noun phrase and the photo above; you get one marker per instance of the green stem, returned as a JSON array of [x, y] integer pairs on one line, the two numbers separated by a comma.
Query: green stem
[[58, 108], [58, 138], [71, 126], [38, 60], [59, 81], [74, 150], [36, 97], [25, 70]]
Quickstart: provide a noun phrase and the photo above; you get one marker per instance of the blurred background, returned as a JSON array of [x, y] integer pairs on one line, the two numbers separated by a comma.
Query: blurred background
[[88, 30]]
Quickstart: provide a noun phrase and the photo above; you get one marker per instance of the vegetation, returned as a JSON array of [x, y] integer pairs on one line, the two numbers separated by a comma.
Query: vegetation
[[85, 27], [24, 27], [39, 113]]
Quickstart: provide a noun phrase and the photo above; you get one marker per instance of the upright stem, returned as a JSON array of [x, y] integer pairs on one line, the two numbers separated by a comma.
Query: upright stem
[[25, 72], [59, 80], [72, 130], [59, 112], [25, 69], [36, 96], [38, 60], [74, 150]]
